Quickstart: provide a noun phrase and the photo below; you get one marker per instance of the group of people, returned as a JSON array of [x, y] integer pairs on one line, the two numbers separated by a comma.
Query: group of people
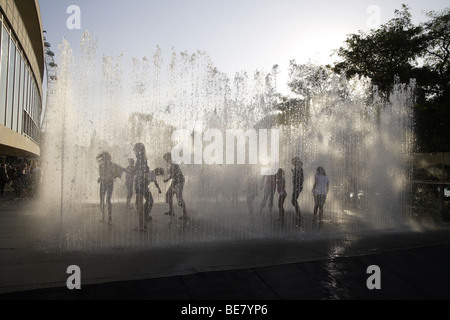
[[138, 179], [24, 178], [277, 183]]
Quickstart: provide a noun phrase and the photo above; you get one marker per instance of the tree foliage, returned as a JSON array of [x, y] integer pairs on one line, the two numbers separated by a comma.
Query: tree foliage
[[397, 52], [401, 50]]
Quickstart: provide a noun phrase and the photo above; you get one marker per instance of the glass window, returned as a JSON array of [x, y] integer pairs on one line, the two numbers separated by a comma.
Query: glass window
[[16, 92], [10, 95], [30, 110], [21, 96], [26, 99], [30, 104], [25, 92], [39, 119], [35, 102], [3, 74], [37, 107], [27, 129], [27, 88], [24, 123], [32, 129], [33, 105], [29, 93]]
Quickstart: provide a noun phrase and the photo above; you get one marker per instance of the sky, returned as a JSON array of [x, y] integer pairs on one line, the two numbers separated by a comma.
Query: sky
[[236, 34]]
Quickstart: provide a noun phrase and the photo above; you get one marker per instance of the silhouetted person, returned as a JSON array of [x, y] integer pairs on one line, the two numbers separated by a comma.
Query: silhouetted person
[[269, 183], [281, 188], [141, 182], [4, 178], [297, 182], [129, 180], [176, 187], [148, 194], [108, 172], [23, 180], [320, 191]]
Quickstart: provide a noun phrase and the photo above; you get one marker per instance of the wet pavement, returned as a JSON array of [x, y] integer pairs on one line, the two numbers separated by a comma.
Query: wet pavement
[[420, 273], [413, 263]]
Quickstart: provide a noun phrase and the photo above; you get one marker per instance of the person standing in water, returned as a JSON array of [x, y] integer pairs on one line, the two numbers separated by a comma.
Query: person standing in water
[[270, 184], [148, 195], [281, 188], [108, 171], [129, 180], [320, 191], [297, 182], [141, 182], [176, 187]]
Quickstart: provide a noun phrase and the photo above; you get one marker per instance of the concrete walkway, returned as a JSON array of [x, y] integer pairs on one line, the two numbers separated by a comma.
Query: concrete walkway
[[414, 263]]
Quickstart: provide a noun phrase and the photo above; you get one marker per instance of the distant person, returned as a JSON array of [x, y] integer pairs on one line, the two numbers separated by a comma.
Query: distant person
[[23, 180], [269, 183], [148, 195], [129, 180], [14, 177], [141, 182], [4, 178], [297, 183], [176, 187], [108, 172], [281, 188], [320, 191], [251, 190]]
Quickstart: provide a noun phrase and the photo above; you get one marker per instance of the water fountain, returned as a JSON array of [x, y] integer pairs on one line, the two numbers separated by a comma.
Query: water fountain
[[361, 140]]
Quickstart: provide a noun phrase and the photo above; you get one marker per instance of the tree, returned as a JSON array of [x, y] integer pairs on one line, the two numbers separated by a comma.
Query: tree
[[437, 50], [402, 51], [384, 54], [433, 99]]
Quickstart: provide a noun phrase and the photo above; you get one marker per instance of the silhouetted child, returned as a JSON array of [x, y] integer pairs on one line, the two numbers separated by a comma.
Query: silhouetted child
[[108, 172], [297, 182], [320, 191], [129, 180], [149, 197], [176, 187], [141, 182], [269, 183], [281, 188]]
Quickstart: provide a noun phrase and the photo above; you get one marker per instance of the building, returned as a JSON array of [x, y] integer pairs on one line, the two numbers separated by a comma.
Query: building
[[22, 61]]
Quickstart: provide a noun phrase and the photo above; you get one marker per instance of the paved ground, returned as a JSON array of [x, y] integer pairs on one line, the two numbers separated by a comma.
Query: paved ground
[[414, 263]]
